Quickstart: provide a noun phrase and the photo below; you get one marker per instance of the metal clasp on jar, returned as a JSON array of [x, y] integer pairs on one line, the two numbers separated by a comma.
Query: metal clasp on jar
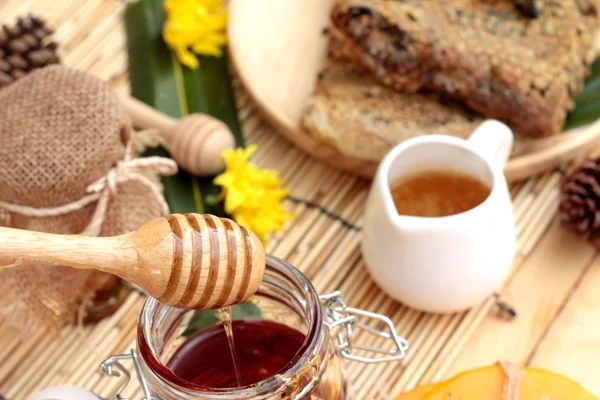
[[112, 367], [352, 321], [345, 321]]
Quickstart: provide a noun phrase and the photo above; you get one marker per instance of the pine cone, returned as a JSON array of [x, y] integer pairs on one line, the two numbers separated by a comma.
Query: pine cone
[[24, 47], [579, 204]]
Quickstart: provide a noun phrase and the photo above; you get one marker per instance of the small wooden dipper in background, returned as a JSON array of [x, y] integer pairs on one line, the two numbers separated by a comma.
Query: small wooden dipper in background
[[195, 142], [189, 261]]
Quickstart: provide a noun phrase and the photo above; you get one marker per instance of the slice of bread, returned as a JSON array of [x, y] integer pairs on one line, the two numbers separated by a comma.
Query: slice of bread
[[350, 109], [518, 61], [353, 112]]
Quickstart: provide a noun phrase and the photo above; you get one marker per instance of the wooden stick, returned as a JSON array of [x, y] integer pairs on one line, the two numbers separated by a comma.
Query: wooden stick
[[539, 224], [531, 164], [10, 339], [532, 211], [524, 192], [189, 261], [195, 142]]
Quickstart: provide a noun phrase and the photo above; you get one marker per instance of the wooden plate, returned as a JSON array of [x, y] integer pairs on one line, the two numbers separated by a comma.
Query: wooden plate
[[277, 48]]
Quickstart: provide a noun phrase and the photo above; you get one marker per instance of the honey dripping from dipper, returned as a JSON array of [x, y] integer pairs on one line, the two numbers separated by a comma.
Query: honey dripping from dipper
[[226, 317]]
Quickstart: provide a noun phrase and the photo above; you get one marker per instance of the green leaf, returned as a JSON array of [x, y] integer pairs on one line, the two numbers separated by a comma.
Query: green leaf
[[590, 92], [204, 318], [149, 59], [201, 320], [583, 114], [216, 97], [587, 102], [158, 79], [245, 310], [152, 81], [596, 66]]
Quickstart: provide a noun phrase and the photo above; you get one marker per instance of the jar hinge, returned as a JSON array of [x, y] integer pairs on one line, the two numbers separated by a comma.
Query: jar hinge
[[112, 367], [350, 320]]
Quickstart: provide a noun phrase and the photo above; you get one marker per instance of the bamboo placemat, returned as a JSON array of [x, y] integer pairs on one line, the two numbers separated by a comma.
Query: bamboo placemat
[[323, 242]]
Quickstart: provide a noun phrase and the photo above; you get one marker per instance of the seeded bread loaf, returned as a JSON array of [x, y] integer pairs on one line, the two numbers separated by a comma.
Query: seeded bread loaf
[[520, 61], [356, 114]]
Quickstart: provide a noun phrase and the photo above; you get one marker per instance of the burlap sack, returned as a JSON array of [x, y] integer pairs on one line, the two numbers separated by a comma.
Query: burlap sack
[[67, 166]]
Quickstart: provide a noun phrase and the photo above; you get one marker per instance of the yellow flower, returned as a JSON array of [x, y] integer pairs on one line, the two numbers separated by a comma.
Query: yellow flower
[[253, 197], [196, 25]]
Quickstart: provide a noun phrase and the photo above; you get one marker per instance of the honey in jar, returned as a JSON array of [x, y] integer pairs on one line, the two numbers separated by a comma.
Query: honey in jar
[[262, 349]]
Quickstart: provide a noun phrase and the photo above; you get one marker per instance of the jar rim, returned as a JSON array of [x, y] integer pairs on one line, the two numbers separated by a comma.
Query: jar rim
[[311, 341]]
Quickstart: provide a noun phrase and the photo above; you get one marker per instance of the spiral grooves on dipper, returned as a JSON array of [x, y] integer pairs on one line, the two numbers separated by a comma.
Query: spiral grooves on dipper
[[192, 286], [191, 135], [217, 268], [177, 260]]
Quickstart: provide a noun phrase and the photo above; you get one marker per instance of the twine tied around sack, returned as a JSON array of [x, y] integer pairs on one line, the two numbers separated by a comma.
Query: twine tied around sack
[[128, 169], [512, 381]]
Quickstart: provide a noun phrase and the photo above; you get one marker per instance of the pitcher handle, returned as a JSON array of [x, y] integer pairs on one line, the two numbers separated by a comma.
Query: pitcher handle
[[494, 140]]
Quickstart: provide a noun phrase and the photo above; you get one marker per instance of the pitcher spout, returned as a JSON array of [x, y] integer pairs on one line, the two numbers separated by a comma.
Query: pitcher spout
[[380, 209]]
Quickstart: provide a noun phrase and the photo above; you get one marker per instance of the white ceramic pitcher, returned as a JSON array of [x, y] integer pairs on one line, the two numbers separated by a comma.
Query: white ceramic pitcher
[[443, 264]]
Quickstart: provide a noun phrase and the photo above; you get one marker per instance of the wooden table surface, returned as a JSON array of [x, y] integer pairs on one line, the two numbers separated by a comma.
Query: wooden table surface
[[555, 287]]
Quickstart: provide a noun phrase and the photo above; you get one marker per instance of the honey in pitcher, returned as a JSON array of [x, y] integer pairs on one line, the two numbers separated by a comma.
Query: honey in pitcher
[[262, 349], [437, 193]]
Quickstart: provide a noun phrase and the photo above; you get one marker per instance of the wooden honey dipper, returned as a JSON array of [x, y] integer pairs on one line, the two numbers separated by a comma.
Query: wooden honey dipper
[[190, 261], [195, 142]]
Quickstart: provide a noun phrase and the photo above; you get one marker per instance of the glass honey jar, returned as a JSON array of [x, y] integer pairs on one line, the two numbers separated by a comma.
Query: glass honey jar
[[322, 328]]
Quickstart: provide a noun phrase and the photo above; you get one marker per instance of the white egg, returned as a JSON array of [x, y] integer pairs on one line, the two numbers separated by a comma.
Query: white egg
[[64, 393]]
